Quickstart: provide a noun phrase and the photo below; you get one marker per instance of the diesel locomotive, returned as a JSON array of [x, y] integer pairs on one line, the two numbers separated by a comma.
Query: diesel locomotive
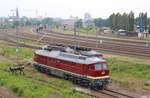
[[80, 65]]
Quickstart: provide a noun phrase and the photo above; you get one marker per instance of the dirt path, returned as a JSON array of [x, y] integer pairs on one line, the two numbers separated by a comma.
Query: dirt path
[[6, 93]]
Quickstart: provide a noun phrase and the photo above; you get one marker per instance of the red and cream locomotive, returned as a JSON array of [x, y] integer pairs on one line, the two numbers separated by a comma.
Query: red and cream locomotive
[[78, 64]]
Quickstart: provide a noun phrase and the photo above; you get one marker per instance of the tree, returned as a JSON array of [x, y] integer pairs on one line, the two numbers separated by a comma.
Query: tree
[[112, 21], [35, 21], [148, 22], [145, 21], [118, 21], [48, 21], [121, 21], [131, 21], [23, 21], [125, 21], [99, 22], [79, 23], [136, 21]]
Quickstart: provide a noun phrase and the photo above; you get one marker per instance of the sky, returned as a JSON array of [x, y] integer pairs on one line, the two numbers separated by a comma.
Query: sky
[[67, 8]]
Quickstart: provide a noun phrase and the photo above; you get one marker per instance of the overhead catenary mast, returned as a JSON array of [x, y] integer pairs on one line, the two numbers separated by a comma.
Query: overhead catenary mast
[[17, 33], [19, 67], [75, 35]]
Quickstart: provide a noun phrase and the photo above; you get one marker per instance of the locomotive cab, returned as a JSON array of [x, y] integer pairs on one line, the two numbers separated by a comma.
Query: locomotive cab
[[98, 69], [101, 69], [99, 72]]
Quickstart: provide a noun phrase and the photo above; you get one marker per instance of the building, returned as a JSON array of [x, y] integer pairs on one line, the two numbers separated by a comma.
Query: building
[[88, 20], [69, 23]]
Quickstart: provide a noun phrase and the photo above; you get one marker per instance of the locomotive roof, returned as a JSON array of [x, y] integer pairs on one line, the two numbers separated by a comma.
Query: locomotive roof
[[91, 53], [69, 57]]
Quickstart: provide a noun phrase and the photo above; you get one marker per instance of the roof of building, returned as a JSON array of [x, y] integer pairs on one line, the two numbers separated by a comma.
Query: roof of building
[[69, 57]]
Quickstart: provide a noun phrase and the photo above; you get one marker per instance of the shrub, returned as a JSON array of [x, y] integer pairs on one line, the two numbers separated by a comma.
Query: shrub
[[17, 90]]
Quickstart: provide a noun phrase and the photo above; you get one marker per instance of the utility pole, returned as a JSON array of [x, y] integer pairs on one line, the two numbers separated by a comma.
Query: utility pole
[[96, 33], [78, 31], [17, 33], [75, 35]]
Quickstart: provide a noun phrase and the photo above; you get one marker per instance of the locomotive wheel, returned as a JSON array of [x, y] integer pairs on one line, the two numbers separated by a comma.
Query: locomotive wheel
[[105, 86], [91, 86], [101, 88], [66, 77], [74, 81]]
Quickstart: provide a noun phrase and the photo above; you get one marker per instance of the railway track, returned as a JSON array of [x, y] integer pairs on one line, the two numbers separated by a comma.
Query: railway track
[[107, 93], [134, 49], [128, 43], [116, 94], [60, 40], [84, 39], [137, 49], [133, 42], [97, 94], [13, 42]]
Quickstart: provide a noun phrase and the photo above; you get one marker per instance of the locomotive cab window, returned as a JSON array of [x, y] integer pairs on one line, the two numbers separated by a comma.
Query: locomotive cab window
[[98, 66], [105, 67]]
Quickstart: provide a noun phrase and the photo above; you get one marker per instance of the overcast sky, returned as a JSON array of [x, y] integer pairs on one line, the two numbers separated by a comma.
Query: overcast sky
[[66, 8]]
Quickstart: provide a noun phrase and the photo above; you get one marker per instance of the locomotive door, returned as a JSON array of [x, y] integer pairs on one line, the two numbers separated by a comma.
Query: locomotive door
[[90, 70], [86, 68]]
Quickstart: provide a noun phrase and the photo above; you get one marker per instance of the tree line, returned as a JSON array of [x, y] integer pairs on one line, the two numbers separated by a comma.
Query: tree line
[[116, 21], [124, 21], [25, 21]]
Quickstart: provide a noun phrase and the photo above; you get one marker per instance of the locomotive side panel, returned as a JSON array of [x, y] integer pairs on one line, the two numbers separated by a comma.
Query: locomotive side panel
[[41, 59], [66, 65], [59, 64]]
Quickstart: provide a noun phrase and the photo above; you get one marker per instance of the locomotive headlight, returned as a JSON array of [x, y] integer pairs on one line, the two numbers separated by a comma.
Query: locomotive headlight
[[103, 72]]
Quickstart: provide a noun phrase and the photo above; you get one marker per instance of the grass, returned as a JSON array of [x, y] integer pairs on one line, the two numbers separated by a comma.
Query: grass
[[23, 86], [128, 73], [9, 51], [30, 85], [124, 72]]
